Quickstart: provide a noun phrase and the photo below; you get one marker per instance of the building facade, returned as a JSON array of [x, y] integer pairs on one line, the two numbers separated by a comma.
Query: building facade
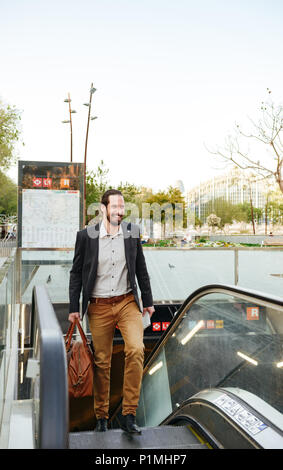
[[235, 187]]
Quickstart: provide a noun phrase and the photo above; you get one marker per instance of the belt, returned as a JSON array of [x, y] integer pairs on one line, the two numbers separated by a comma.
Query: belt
[[109, 300]]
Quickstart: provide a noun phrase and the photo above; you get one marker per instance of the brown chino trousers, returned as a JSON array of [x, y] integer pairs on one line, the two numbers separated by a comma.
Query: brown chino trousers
[[103, 319]]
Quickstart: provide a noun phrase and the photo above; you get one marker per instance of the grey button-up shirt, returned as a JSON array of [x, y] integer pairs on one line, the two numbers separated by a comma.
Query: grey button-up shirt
[[112, 273]]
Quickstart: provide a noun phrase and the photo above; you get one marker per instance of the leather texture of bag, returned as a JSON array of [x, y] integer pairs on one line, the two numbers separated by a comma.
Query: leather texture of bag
[[80, 364]]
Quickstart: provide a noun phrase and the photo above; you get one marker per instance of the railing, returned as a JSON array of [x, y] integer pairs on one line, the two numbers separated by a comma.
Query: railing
[[8, 341], [174, 273], [50, 388]]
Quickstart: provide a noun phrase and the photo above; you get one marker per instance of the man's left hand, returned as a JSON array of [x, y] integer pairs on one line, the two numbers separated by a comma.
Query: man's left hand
[[150, 310]]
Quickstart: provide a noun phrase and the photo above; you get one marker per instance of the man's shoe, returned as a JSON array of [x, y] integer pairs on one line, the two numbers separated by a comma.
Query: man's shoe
[[129, 425], [101, 425]]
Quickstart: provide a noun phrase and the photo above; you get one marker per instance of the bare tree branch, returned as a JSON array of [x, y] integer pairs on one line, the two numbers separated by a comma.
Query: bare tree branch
[[268, 131]]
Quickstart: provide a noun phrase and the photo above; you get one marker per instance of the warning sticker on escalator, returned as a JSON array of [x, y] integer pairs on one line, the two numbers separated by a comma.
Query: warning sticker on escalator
[[240, 414]]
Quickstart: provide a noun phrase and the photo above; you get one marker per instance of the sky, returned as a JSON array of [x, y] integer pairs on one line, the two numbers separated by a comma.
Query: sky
[[171, 79]]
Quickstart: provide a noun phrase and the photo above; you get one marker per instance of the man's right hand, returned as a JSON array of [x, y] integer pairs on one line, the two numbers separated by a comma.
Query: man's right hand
[[73, 316]]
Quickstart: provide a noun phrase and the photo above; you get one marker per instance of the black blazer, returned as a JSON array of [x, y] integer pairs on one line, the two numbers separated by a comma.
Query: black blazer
[[85, 262]]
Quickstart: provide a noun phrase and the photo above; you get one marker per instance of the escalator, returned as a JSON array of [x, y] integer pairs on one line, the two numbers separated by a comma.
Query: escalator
[[206, 421], [213, 380]]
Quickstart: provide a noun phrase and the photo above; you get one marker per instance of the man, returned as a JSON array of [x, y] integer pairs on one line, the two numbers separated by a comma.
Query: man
[[107, 259]]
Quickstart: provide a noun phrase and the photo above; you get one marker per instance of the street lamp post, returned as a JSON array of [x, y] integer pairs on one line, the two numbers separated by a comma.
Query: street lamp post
[[71, 127], [68, 100], [92, 90]]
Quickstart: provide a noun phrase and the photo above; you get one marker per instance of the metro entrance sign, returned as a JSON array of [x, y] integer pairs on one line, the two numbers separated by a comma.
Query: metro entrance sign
[[37, 182], [50, 202]]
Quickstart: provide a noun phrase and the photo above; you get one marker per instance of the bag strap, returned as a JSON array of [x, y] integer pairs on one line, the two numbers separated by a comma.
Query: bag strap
[[71, 331], [69, 335], [83, 336]]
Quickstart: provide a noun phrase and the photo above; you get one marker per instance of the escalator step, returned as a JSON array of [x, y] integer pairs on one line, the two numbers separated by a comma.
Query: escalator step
[[161, 437]]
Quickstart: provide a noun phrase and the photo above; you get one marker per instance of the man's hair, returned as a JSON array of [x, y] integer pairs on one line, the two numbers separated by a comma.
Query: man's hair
[[110, 192]]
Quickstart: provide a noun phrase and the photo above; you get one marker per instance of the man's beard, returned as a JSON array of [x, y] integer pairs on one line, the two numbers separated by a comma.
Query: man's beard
[[114, 222]]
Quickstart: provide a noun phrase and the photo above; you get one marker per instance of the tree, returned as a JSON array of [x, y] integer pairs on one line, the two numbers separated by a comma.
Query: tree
[[222, 208], [142, 196], [249, 213], [171, 196], [97, 183], [265, 134], [197, 222], [9, 134], [249, 187], [273, 208], [129, 191], [173, 204], [134, 196], [213, 221], [8, 195]]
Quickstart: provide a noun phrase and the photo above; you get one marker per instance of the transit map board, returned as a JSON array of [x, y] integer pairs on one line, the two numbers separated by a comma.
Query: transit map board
[[50, 202]]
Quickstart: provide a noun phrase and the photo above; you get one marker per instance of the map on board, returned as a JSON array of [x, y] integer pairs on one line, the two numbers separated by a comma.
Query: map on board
[[50, 219]]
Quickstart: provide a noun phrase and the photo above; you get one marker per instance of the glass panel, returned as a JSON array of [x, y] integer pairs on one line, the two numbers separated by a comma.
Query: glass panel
[[3, 316], [50, 268], [151, 406], [221, 341], [175, 274], [262, 270], [7, 302], [10, 306], [3, 361]]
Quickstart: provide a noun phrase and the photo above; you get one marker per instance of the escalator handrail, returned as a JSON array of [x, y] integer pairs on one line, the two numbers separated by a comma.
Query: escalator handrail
[[275, 424], [53, 394], [195, 295], [253, 404]]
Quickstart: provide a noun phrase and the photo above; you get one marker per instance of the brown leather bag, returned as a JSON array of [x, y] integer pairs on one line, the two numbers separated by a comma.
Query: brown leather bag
[[80, 364]]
